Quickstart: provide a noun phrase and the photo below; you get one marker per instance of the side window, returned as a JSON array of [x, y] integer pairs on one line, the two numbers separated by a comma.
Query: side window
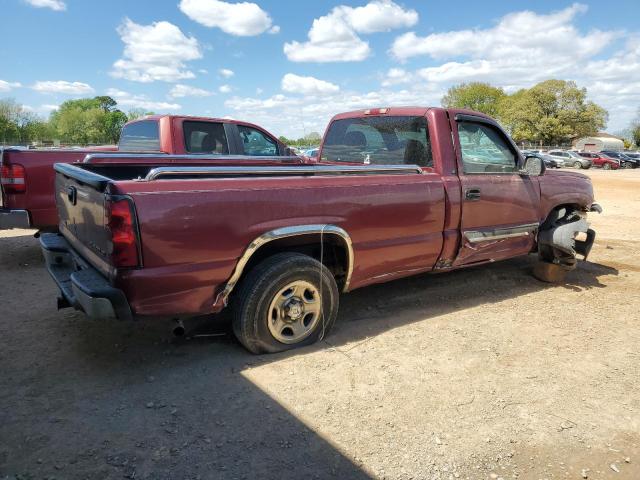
[[256, 143], [379, 140], [205, 137], [484, 149]]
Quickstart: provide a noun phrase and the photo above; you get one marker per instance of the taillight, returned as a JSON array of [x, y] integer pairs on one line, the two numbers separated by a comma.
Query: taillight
[[121, 224], [12, 178]]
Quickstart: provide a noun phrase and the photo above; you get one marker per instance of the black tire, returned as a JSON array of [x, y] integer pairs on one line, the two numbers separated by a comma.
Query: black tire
[[606, 166], [577, 164], [252, 300]]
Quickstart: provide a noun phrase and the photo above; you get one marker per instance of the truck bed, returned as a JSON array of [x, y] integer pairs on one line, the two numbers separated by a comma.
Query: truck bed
[[196, 222]]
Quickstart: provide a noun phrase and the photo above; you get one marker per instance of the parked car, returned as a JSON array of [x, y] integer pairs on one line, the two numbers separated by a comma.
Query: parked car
[[601, 160], [276, 243], [27, 176], [633, 155], [312, 153], [568, 158], [625, 160]]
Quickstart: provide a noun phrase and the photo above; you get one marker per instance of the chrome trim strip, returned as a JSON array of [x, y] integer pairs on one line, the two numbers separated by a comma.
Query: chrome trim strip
[[158, 172], [501, 233], [285, 232], [201, 156]]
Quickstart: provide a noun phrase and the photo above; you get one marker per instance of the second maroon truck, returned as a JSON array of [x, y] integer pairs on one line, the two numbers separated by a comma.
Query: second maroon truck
[[395, 192], [27, 176]]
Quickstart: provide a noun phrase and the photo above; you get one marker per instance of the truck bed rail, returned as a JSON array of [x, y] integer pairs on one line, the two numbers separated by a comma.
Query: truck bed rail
[[164, 172]]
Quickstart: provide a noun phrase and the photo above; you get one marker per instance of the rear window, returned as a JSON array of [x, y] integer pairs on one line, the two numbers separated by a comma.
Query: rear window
[[205, 137], [143, 136], [383, 140]]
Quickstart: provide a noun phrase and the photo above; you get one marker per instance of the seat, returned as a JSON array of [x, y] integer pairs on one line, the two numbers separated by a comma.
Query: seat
[[415, 153], [355, 139], [208, 145]]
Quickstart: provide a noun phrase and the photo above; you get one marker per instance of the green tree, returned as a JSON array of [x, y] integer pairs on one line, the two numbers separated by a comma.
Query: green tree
[[8, 128], [553, 111], [477, 96], [88, 120], [636, 135], [20, 125]]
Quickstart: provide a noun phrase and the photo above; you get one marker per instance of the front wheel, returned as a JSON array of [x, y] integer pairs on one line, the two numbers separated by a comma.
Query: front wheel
[[288, 300], [577, 165], [606, 166]]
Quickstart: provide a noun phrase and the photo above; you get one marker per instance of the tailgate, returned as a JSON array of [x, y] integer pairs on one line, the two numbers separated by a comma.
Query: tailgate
[[81, 200]]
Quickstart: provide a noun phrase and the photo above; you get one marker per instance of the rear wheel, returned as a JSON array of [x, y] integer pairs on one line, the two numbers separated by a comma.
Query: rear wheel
[[287, 301]]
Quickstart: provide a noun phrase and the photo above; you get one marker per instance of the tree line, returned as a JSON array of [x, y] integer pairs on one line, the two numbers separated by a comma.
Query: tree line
[[84, 121], [553, 112]]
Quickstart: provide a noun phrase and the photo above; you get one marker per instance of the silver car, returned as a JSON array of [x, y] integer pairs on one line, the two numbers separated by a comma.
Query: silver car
[[567, 158]]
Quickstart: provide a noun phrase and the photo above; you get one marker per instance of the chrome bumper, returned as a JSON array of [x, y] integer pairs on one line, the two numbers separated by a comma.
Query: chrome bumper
[[14, 219], [81, 286]]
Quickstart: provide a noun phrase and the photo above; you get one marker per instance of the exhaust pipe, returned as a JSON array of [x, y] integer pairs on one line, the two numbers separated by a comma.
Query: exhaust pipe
[[178, 329]]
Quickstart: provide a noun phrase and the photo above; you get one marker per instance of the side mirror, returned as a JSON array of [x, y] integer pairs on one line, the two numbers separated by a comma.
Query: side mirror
[[532, 166]]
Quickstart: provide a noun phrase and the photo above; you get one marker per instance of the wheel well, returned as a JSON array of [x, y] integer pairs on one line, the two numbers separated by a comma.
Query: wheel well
[[551, 215], [334, 255]]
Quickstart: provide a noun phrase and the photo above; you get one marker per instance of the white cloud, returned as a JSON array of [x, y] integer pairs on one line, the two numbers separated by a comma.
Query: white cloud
[[295, 115], [379, 16], [242, 19], [395, 76], [226, 73], [334, 37], [62, 86], [56, 5], [155, 52], [519, 33], [225, 88], [179, 91], [275, 29], [126, 99], [307, 85], [8, 86]]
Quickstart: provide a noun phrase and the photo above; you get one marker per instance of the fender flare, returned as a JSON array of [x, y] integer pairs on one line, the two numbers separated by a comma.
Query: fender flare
[[286, 232]]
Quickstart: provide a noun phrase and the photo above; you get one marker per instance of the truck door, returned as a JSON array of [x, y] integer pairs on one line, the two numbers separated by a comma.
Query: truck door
[[499, 205]]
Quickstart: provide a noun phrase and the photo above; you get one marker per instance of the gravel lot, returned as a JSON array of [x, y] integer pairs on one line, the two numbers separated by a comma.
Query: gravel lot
[[483, 373]]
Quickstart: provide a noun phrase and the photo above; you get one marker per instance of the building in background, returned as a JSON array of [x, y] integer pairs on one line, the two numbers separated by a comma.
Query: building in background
[[600, 141]]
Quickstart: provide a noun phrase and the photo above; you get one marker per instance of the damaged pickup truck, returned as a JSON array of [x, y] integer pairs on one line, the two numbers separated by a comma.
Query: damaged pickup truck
[[395, 192]]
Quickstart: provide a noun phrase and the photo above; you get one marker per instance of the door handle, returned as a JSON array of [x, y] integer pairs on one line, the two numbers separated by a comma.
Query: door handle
[[472, 194]]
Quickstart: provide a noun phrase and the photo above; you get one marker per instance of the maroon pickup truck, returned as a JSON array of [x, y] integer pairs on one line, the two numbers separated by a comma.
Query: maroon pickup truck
[[27, 176], [395, 192]]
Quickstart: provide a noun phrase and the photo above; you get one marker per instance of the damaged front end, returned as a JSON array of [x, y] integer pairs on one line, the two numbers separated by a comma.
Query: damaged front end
[[558, 246]]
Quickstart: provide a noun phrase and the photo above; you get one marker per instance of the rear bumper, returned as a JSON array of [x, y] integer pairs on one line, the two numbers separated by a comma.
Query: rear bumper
[[82, 286], [14, 219]]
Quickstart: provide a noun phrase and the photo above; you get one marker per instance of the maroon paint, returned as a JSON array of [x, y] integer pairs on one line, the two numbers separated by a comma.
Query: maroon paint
[[192, 232]]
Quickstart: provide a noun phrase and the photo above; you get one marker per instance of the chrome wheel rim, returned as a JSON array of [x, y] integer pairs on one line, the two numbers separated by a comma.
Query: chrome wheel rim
[[294, 312]]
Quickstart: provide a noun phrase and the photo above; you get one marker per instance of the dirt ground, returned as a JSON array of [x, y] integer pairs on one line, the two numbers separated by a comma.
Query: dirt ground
[[480, 374]]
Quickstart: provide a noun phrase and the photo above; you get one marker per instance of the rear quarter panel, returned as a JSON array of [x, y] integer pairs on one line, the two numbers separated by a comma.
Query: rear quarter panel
[[39, 197], [194, 231]]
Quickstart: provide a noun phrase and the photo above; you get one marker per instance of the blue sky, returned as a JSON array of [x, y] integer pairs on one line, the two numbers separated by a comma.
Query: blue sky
[[290, 65]]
